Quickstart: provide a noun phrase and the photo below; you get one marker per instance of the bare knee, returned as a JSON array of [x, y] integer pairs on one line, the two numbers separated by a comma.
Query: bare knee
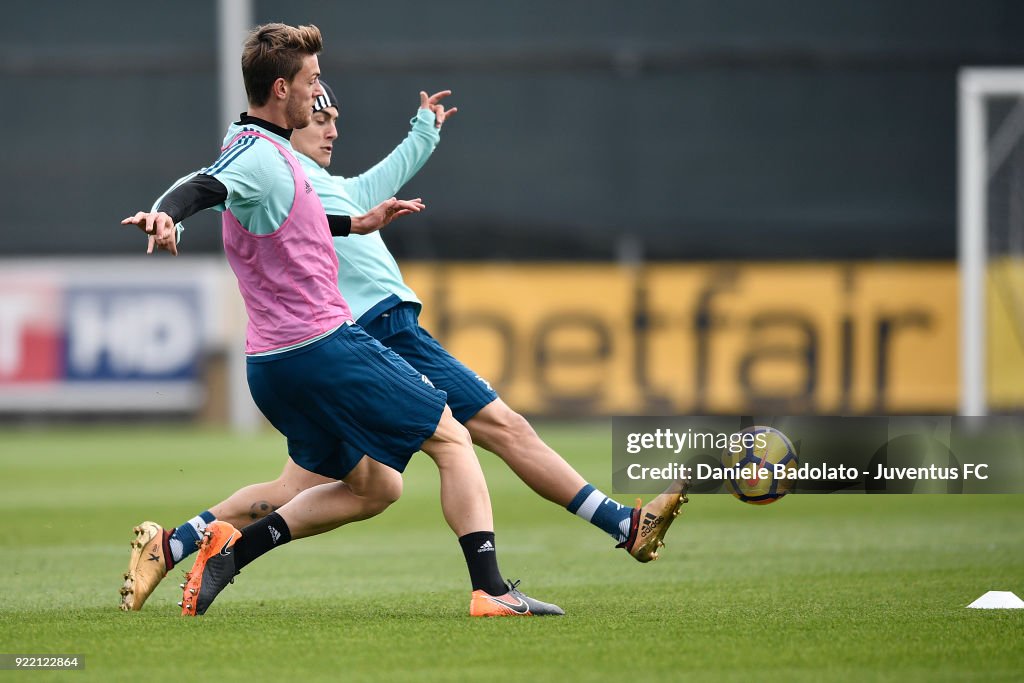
[[376, 485], [513, 424], [461, 436], [499, 427], [451, 432], [387, 492]]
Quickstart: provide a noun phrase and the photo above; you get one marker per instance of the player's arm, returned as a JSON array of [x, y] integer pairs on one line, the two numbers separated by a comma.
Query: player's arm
[[382, 214], [204, 192], [183, 200], [189, 198], [199, 191], [239, 177], [386, 177]]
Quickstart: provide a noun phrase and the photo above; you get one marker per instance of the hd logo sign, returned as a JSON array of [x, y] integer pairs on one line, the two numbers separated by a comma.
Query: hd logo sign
[[113, 334], [103, 342]]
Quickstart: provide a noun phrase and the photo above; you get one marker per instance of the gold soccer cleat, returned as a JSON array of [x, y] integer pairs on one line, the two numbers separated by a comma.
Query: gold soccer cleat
[[651, 522], [147, 566]]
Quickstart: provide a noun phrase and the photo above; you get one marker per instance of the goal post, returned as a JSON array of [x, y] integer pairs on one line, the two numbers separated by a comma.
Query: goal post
[[990, 222]]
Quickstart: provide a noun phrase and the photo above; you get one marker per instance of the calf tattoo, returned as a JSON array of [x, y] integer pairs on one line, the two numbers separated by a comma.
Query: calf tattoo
[[261, 509]]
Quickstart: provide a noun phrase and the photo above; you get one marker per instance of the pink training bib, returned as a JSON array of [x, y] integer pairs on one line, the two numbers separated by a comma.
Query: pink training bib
[[289, 278]]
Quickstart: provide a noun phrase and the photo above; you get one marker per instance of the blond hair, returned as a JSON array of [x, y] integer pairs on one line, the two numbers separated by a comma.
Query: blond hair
[[275, 51]]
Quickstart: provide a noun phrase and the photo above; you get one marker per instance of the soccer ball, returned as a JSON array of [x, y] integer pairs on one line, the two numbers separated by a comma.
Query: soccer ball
[[770, 447]]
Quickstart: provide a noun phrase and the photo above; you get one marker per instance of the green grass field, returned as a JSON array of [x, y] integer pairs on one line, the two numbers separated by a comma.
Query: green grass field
[[815, 588]]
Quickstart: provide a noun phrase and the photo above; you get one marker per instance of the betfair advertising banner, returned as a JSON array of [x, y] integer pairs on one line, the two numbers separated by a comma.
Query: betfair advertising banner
[[556, 339], [1005, 334], [729, 338]]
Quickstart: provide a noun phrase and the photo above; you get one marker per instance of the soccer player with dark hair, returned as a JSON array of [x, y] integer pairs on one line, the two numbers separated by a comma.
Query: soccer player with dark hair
[[350, 408], [388, 309]]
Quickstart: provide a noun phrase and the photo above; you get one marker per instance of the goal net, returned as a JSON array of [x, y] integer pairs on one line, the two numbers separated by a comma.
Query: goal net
[[991, 240]]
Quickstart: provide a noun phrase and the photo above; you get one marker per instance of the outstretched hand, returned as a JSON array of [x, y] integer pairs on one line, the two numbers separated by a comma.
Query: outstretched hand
[[431, 102], [159, 227], [385, 212]]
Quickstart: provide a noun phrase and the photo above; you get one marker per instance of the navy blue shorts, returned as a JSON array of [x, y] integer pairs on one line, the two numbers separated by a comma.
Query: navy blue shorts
[[344, 396], [399, 329]]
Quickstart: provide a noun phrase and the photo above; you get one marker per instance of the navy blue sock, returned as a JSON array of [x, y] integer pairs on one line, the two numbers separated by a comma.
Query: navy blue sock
[[183, 541], [602, 512]]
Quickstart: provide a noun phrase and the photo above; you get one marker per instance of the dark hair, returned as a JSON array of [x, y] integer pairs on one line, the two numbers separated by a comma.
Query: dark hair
[[321, 102], [274, 51]]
